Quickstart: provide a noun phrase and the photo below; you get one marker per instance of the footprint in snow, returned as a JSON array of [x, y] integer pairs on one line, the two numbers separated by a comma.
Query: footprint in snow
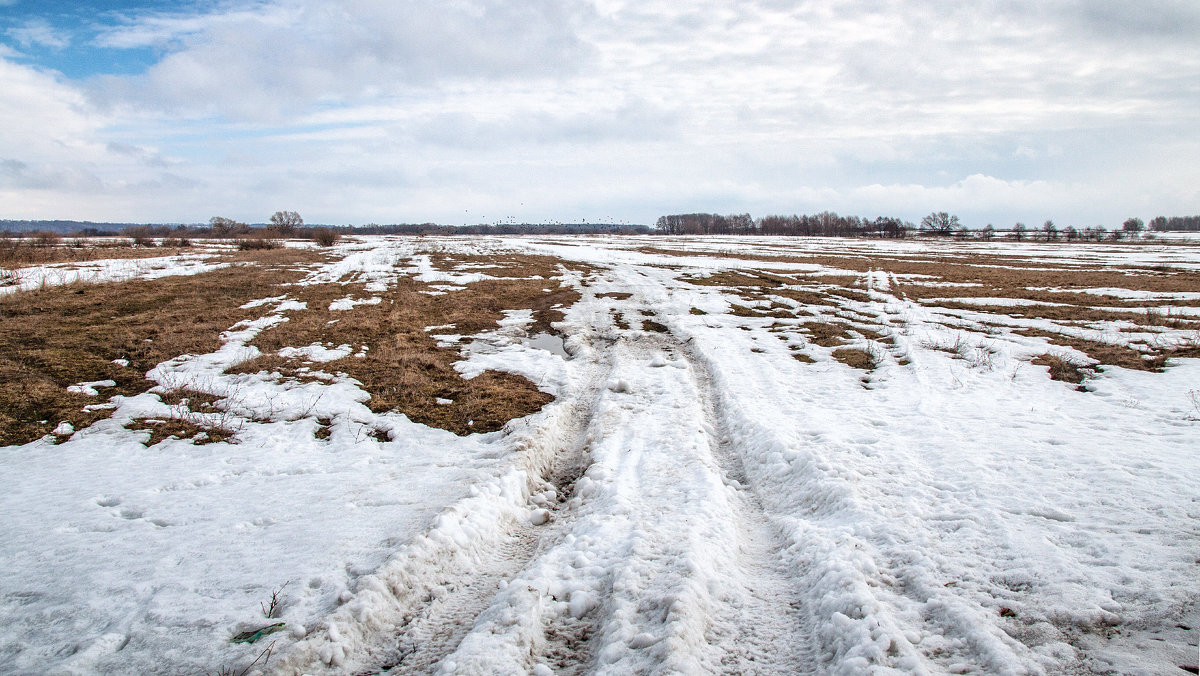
[[132, 513]]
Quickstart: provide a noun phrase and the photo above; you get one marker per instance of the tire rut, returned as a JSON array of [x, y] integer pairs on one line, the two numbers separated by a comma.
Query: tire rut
[[467, 585], [768, 630]]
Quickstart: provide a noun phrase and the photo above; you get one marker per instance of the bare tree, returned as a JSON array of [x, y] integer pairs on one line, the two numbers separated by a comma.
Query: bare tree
[[224, 227], [1132, 226], [940, 222], [286, 222], [1049, 230], [1019, 231]]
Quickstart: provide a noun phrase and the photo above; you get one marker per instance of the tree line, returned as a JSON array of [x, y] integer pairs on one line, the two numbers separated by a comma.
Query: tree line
[[938, 223], [824, 224], [1175, 223]]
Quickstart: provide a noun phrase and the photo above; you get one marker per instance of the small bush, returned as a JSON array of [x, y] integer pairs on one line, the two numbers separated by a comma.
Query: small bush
[[257, 244], [325, 236]]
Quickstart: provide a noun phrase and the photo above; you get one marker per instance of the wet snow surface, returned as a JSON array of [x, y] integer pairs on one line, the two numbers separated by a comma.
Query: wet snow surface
[[695, 500]]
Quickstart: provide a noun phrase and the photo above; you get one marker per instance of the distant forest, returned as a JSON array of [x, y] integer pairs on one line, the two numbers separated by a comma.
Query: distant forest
[[829, 224], [1175, 224], [823, 224], [220, 227]]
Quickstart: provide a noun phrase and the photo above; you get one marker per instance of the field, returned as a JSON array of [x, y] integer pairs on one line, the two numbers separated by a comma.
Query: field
[[606, 455]]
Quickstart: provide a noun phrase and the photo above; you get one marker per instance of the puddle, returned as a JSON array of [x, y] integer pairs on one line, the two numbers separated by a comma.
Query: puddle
[[548, 342]]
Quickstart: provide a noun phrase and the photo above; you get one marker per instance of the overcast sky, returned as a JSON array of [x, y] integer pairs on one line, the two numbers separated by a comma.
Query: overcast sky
[[456, 111]]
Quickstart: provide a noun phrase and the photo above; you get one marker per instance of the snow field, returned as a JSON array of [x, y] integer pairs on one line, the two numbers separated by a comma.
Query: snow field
[[108, 270], [695, 500]]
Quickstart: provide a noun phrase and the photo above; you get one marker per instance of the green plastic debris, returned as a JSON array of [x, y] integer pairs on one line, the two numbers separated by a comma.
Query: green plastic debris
[[254, 634]]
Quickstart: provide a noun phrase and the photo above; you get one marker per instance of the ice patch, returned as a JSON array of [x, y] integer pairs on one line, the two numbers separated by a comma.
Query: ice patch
[[548, 342]]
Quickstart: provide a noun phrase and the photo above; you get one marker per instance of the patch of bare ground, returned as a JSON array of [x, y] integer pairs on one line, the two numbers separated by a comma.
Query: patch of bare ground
[[996, 278], [806, 296], [1109, 354], [855, 357], [404, 369], [827, 334], [180, 428], [1066, 313], [56, 337], [16, 253], [743, 278], [849, 294], [1063, 368]]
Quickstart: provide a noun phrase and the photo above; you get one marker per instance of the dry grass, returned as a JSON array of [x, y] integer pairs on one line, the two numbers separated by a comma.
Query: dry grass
[[660, 251], [15, 253], [59, 336], [827, 334], [807, 297], [404, 369], [1064, 369], [753, 279], [180, 428], [1107, 354], [849, 294], [855, 357]]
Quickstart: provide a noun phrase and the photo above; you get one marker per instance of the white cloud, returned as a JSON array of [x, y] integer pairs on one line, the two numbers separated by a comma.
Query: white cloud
[[279, 59], [361, 110], [39, 32]]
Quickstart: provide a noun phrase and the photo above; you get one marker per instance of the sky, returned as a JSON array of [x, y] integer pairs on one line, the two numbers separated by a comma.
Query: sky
[[477, 111]]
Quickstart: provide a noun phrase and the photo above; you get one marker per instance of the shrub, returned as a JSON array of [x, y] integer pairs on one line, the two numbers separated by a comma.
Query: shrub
[[257, 243], [325, 236]]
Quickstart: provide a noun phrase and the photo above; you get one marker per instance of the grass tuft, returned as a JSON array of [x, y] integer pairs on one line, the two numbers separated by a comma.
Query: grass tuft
[[855, 357]]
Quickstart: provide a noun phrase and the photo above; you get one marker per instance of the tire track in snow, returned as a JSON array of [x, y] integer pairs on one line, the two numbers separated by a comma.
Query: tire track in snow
[[407, 616], [439, 627], [771, 601], [755, 624], [663, 569]]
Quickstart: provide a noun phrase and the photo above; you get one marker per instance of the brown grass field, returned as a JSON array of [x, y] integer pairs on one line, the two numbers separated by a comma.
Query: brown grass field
[[55, 337]]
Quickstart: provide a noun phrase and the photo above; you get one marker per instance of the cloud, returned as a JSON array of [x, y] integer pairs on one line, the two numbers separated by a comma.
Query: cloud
[[144, 155], [39, 32], [998, 110], [267, 61], [69, 178]]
